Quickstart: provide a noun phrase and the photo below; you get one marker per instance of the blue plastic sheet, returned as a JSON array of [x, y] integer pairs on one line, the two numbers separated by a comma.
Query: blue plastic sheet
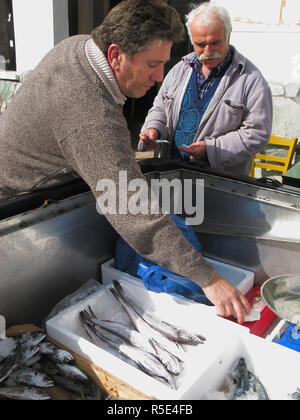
[[155, 277]]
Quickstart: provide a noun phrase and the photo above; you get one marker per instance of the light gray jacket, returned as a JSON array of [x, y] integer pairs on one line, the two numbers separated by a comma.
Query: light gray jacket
[[237, 123]]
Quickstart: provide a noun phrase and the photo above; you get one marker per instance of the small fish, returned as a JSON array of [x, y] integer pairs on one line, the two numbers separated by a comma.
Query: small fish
[[295, 395], [72, 372], [48, 366], [62, 356], [32, 377], [32, 338], [71, 386], [47, 348], [136, 339], [24, 393], [29, 351], [145, 361], [10, 363], [257, 387], [241, 379], [146, 329], [175, 333]]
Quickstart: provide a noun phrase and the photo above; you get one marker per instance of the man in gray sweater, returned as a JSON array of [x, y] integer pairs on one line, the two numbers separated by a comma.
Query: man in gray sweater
[[67, 118]]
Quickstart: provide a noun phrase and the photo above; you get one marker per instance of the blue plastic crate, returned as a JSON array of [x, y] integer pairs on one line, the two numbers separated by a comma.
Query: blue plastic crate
[[291, 337]]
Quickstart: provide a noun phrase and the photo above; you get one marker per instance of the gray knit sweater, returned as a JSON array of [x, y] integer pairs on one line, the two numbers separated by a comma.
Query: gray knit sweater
[[67, 117]]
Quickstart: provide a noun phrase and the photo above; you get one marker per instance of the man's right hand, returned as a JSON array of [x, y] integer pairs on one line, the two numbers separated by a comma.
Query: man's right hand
[[147, 139], [227, 299]]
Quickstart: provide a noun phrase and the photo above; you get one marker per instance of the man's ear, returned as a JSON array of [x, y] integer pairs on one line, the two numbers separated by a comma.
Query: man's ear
[[114, 56]]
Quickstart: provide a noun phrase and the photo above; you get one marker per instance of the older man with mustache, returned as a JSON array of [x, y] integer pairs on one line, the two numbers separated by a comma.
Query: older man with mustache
[[214, 106]]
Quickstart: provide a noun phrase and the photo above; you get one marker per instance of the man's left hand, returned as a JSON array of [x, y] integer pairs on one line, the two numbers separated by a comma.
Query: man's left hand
[[196, 150]]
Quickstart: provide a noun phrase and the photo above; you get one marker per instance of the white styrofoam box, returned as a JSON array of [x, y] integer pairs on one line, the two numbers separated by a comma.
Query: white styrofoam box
[[276, 367], [65, 328], [278, 330], [242, 279]]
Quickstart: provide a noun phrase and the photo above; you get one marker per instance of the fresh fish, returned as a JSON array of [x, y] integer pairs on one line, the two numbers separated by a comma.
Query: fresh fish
[[145, 361], [72, 372], [33, 360], [10, 363], [28, 351], [32, 338], [30, 376], [62, 356], [136, 339], [295, 395], [48, 366], [47, 348], [241, 379], [144, 328], [71, 386], [173, 332], [257, 387], [24, 393]]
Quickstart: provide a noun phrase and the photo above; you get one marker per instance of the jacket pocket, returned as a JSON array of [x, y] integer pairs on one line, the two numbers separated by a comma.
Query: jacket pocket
[[229, 117]]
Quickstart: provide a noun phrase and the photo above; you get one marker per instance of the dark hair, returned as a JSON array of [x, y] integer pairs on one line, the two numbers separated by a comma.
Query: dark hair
[[134, 24]]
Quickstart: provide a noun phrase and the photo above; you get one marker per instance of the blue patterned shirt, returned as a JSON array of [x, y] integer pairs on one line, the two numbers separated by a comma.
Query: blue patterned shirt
[[203, 84]]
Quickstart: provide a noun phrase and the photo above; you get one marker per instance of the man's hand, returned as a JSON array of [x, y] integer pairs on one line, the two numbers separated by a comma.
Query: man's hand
[[148, 137], [227, 299], [196, 150]]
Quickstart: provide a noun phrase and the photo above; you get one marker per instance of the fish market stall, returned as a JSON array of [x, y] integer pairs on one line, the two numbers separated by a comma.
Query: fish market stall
[[54, 242]]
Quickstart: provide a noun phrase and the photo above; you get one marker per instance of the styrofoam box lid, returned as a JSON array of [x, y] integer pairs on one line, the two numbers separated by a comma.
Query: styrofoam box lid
[[65, 328], [242, 279]]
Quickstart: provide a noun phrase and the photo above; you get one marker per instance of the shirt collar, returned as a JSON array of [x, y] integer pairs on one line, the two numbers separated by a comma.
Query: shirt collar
[[216, 71]]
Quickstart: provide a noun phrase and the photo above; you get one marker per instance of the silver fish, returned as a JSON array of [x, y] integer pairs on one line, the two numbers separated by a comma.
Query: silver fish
[[24, 393], [144, 328], [30, 376], [145, 361], [28, 351], [136, 339], [10, 363], [32, 338], [47, 348], [257, 387], [295, 395], [72, 372], [241, 379], [62, 356], [173, 332], [72, 386]]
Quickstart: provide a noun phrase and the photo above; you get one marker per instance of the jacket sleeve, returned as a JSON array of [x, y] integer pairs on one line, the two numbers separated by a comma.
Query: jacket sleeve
[[158, 116], [239, 144]]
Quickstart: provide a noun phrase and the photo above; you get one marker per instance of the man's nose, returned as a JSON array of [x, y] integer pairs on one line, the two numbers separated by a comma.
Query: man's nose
[[208, 50], [158, 74]]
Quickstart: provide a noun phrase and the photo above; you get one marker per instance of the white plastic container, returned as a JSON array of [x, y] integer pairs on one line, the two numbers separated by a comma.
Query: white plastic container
[[200, 361], [242, 279], [276, 367], [2, 328]]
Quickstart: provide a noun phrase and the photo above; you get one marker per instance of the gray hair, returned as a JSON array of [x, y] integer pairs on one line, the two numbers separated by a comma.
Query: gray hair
[[210, 12]]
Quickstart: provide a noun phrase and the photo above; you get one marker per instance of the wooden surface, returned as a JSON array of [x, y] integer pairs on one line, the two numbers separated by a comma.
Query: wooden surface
[[109, 386]]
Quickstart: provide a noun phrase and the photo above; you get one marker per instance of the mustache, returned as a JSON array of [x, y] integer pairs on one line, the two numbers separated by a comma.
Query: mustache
[[204, 57]]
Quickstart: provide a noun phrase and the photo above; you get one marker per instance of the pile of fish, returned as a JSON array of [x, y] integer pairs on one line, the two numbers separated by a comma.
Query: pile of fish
[[31, 366], [246, 385], [155, 346]]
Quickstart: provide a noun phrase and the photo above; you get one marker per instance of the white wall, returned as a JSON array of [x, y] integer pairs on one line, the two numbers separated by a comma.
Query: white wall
[[39, 25], [268, 33]]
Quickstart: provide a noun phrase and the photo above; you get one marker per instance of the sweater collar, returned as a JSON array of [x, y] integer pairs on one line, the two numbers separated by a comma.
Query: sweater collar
[[101, 66]]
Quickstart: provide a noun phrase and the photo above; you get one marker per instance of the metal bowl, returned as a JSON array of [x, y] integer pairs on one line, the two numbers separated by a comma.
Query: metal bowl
[[282, 295]]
